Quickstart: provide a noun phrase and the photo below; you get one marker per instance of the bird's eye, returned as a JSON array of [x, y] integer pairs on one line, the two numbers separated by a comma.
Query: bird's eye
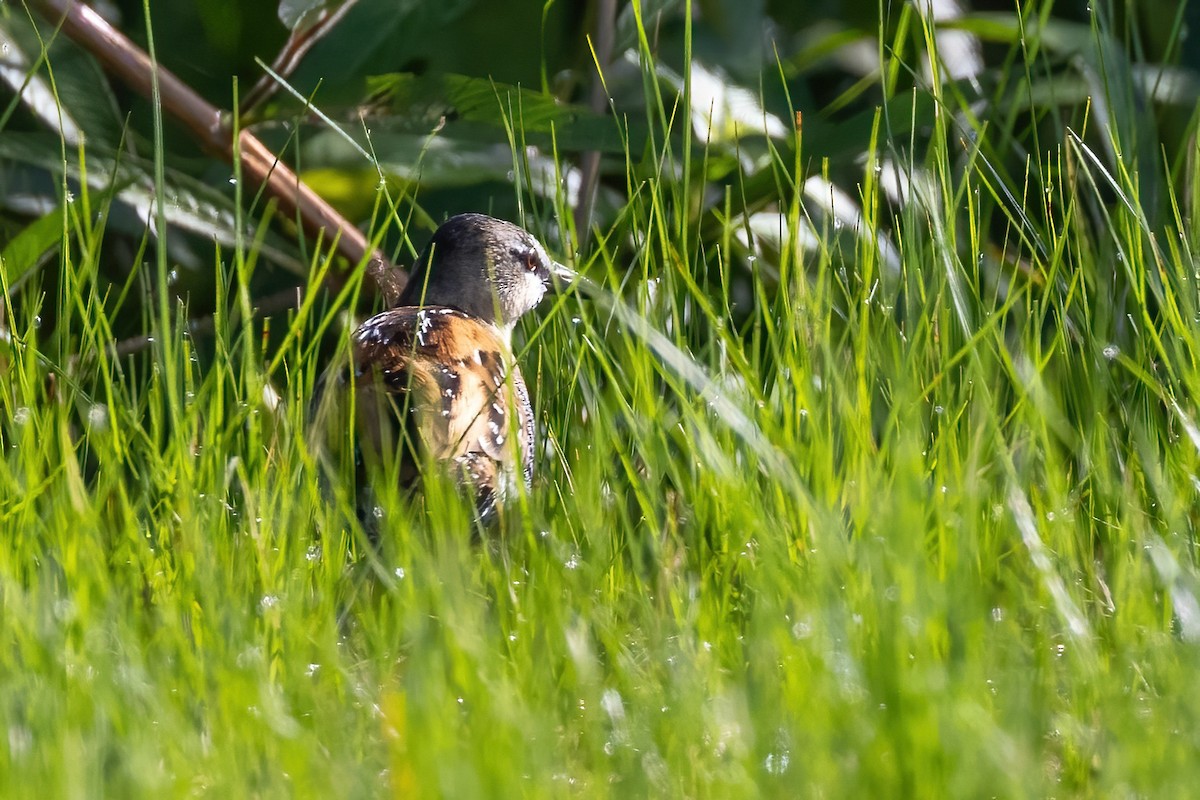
[[532, 262]]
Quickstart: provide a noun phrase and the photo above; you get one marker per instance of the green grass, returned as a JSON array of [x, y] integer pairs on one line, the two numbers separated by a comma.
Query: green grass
[[917, 533]]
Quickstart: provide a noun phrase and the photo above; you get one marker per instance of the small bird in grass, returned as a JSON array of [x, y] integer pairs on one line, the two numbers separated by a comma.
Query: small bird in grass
[[436, 374]]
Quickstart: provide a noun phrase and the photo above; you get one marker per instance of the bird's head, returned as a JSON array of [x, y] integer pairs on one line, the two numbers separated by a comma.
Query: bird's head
[[489, 268]]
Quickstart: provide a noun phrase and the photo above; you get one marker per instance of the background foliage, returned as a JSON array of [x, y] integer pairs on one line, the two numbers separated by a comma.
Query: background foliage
[[871, 438]]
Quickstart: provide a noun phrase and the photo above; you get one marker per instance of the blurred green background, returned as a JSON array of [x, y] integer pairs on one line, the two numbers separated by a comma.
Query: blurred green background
[[868, 470], [432, 90]]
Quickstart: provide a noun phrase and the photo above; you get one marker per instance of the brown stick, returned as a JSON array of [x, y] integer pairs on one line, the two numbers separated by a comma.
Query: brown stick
[[210, 125], [294, 49]]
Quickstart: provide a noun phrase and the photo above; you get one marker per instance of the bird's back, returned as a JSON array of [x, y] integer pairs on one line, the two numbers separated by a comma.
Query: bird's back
[[437, 383]]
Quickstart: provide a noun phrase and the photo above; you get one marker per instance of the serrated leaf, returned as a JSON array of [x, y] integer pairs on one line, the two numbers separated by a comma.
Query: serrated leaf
[[191, 205], [418, 103], [80, 98]]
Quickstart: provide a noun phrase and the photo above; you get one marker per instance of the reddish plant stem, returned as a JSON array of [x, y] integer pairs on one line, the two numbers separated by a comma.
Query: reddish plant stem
[[211, 127], [297, 46]]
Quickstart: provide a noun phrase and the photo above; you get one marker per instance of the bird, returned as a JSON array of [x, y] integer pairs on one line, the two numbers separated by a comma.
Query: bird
[[435, 376]]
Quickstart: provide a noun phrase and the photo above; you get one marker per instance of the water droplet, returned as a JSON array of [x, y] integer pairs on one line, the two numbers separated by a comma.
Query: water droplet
[[20, 738], [271, 398], [777, 763], [611, 702], [97, 417]]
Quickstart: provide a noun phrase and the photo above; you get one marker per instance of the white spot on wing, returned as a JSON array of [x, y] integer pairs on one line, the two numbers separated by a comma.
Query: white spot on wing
[[424, 323]]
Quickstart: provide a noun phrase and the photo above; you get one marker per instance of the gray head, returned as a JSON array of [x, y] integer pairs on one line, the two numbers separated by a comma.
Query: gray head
[[484, 266]]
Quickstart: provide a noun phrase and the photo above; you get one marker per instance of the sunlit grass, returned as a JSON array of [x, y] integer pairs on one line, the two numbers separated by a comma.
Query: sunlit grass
[[917, 533]]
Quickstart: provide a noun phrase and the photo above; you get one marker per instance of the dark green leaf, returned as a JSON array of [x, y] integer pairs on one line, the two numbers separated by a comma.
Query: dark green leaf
[[191, 204], [29, 248], [371, 39], [419, 103], [296, 13]]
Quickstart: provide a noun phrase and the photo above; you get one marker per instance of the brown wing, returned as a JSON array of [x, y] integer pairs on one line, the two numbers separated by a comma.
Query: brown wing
[[451, 374]]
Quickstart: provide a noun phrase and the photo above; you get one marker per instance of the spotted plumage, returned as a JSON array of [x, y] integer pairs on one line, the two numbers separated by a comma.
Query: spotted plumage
[[436, 378], [452, 374]]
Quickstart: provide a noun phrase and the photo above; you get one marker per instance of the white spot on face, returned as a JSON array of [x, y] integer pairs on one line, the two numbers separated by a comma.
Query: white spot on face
[[535, 288], [478, 357]]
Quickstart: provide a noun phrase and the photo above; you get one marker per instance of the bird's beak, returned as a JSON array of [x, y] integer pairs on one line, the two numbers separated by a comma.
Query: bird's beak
[[561, 276]]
